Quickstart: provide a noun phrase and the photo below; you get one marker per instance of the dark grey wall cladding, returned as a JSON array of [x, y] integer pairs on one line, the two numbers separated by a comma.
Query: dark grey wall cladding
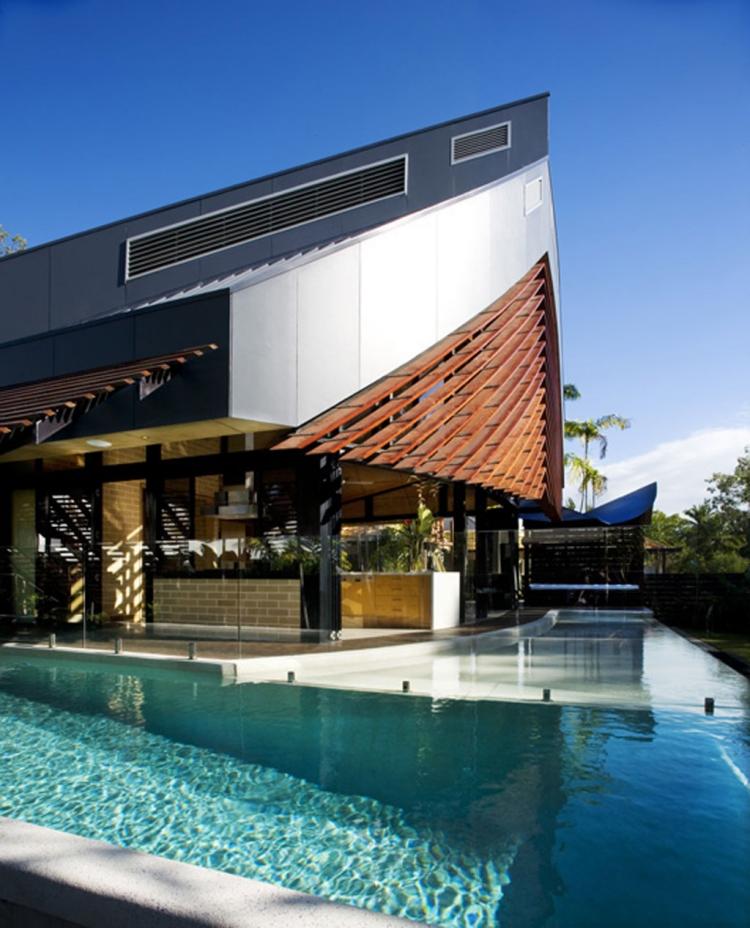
[[199, 391], [24, 294], [72, 280]]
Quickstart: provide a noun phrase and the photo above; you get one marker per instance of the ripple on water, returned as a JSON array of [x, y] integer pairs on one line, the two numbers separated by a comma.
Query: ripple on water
[[99, 778]]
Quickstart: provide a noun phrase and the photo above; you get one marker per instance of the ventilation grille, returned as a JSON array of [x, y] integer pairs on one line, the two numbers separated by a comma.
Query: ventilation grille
[[215, 231], [475, 144]]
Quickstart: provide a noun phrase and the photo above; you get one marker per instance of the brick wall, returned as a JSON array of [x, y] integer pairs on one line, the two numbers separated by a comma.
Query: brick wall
[[216, 602]]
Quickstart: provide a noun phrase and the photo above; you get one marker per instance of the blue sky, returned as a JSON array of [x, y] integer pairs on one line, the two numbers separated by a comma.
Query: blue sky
[[109, 109]]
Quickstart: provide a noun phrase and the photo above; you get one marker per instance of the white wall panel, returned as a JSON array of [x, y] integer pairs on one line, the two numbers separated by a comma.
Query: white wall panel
[[264, 351], [398, 295], [507, 236], [328, 314], [316, 333], [464, 279]]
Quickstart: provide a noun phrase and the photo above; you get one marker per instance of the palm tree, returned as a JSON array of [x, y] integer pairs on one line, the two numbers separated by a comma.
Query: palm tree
[[592, 430], [587, 477], [588, 431]]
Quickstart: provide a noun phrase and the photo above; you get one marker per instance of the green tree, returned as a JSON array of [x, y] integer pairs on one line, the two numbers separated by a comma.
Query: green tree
[[714, 536], [710, 544], [729, 498], [589, 432], [667, 530], [11, 243], [587, 477]]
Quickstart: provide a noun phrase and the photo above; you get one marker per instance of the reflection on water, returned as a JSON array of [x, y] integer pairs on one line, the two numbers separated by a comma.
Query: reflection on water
[[455, 812], [587, 658]]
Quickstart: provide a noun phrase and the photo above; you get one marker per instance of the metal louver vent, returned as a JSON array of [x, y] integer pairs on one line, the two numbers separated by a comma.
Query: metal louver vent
[[237, 224], [474, 144]]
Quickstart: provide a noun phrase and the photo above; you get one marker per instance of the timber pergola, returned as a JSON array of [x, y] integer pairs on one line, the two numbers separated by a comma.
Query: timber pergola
[[34, 412]]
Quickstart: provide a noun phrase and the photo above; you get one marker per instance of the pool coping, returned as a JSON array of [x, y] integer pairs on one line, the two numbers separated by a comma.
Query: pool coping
[[52, 879], [731, 660]]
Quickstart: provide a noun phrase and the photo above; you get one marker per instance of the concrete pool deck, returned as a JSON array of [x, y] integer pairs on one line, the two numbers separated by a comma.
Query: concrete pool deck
[[232, 663], [50, 879], [222, 643], [273, 663]]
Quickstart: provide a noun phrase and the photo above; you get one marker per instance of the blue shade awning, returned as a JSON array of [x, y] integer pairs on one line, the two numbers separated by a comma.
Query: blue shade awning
[[632, 509]]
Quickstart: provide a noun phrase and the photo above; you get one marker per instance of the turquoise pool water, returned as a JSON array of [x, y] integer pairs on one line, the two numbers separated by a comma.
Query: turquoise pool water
[[453, 812]]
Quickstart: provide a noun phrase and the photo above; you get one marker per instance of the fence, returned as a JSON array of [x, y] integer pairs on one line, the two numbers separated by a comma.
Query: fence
[[700, 601]]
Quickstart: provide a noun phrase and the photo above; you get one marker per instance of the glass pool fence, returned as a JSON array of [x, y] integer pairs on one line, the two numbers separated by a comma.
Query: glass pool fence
[[242, 597]]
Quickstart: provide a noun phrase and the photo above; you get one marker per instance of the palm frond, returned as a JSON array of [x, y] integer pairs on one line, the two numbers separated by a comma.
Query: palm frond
[[612, 421]]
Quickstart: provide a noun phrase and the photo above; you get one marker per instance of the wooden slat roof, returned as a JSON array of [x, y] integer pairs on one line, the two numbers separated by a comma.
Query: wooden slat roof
[[25, 405], [483, 405]]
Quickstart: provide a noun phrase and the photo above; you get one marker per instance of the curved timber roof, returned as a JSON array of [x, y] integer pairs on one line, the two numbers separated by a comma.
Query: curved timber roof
[[480, 406]]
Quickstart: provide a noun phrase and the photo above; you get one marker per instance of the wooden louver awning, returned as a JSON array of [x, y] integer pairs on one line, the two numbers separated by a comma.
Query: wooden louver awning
[[32, 412], [482, 406]]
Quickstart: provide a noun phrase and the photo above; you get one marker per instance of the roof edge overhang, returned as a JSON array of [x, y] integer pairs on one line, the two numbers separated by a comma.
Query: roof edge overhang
[[278, 175]]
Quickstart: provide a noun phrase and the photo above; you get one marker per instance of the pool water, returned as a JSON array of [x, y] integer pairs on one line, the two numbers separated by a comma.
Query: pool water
[[451, 812]]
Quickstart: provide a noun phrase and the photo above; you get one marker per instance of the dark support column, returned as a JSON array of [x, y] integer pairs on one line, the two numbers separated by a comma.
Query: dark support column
[[151, 508], [443, 500], [459, 540], [319, 517], [330, 533], [482, 573]]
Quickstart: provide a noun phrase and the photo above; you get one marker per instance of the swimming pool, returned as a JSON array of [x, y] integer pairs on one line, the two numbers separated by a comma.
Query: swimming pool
[[456, 812]]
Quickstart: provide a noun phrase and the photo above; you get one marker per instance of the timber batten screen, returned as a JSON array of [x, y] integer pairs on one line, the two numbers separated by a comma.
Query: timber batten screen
[[32, 412], [482, 406]]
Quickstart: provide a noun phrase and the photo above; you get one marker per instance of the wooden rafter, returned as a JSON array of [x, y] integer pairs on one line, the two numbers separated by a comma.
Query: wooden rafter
[[33, 412]]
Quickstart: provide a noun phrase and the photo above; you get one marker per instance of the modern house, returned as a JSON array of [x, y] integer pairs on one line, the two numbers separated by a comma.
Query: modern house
[[284, 359]]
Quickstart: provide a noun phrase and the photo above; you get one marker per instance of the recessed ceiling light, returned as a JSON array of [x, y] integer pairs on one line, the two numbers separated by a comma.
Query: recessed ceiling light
[[98, 443]]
